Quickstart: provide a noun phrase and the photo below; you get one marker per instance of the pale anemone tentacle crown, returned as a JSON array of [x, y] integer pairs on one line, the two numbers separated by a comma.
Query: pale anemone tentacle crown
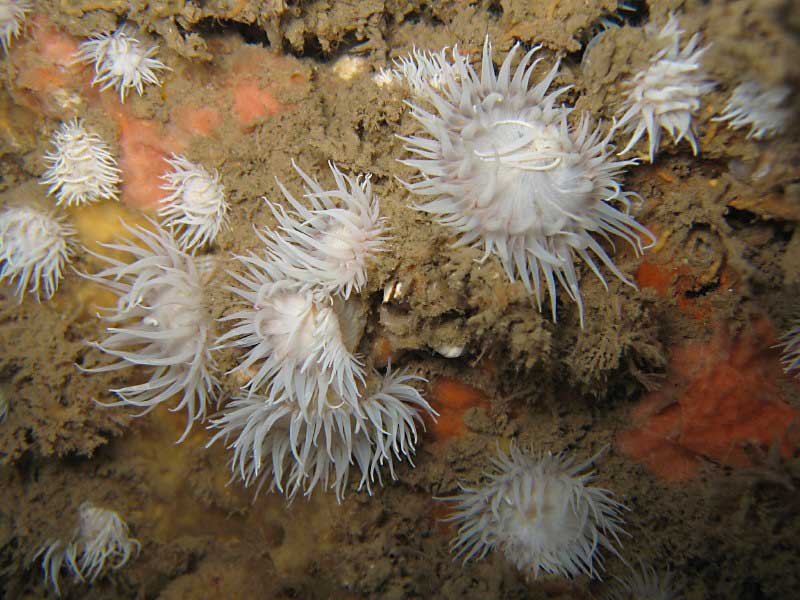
[[102, 538], [764, 110], [195, 209], [80, 168], [161, 321], [508, 172], [327, 245], [311, 408], [34, 249], [541, 512], [120, 61], [12, 16], [667, 94]]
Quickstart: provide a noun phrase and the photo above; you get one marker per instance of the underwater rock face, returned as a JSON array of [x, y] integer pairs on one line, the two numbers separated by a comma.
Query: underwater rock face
[[398, 344]]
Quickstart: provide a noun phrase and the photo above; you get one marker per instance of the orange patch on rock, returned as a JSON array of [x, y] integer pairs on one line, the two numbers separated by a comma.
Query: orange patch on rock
[[260, 80], [143, 147], [252, 103], [45, 74], [197, 121], [451, 399], [722, 394]]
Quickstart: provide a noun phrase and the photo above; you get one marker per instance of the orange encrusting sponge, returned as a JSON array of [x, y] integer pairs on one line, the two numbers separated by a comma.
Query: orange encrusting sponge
[[451, 399], [720, 395]]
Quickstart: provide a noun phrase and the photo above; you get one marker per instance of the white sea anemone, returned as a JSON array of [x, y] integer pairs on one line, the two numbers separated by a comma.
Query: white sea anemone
[[298, 342], [790, 343], [646, 584], [419, 70], [509, 173], [328, 245], [541, 512], [120, 61], [80, 168], [763, 110], [34, 248], [196, 209], [161, 321], [275, 441], [101, 538], [667, 94], [12, 16]]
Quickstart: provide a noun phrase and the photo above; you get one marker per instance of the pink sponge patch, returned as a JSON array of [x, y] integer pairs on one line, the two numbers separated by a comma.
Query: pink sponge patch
[[143, 147], [252, 103], [197, 121]]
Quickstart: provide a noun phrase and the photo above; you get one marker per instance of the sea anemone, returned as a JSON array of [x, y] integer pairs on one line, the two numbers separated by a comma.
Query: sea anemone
[[277, 442], [419, 70], [763, 110], [299, 342], [12, 16], [319, 411], [80, 168], [101, 537], [327, 246], [196, 209], [34, 248], [164, 323], [667, 94], [120, 61], [790, 343], [646, 584], [541, 512], [508, 172]]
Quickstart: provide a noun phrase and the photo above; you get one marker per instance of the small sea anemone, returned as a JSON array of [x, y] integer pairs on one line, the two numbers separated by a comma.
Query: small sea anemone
[[34, 248], [196, 209], [667, 94], [12, 16], [790, 343], [763, 110], [327, 246], [419, 70], [299, 342], [80, 168], [508, 172], [646, 584], [541, 512], [120, 61], [277, 442], [101, 538], [164, 323]]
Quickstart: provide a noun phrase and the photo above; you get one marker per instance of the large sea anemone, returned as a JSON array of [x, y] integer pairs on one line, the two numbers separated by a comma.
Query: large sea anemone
[[328, 244], [161, 321], [294, 450], [508, 172], [541, 512], [34, 249]]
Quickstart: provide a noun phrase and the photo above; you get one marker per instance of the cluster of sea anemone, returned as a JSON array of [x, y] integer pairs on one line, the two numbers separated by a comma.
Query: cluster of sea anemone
[[310, 408]]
